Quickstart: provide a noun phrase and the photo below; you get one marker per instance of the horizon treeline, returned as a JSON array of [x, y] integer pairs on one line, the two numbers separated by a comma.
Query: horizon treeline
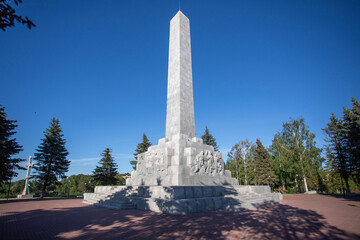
[[294, 164]]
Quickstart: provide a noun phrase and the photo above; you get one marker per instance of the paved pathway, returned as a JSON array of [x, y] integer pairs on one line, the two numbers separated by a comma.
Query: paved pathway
[[299, 217]]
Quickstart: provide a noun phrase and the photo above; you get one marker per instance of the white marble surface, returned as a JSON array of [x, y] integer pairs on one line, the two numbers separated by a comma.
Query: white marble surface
[[180, 159], [180, 104]]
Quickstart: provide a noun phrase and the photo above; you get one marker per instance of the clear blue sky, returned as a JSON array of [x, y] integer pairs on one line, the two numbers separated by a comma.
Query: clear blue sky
[[101, 68]]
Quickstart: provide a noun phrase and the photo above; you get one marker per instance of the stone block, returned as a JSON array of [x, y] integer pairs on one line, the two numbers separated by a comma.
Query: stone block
[[188, 192], [162, 142], [209, 204], [178, 192], [197, 140], [208, 191], [218, 203], [189, 151], [201, 205], [169, 151], [197, 192]]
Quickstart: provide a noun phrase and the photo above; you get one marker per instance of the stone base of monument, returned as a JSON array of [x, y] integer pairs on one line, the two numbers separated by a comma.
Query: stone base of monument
[[25, 196], [115, 197], [182, 199]]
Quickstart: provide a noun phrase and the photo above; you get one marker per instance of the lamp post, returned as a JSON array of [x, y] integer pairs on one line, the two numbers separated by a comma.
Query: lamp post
[[12, 171], [68, 189]]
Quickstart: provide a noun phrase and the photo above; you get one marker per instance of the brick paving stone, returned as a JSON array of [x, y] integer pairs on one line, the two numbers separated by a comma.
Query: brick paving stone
[[298, 217]]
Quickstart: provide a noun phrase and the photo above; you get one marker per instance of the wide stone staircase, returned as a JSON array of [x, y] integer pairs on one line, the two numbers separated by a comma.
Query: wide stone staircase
[[246, 197], [182, 199], [114, 197]]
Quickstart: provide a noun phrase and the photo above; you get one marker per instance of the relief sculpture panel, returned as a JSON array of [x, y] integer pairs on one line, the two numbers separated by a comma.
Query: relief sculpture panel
[[151, 162], [208, 163]]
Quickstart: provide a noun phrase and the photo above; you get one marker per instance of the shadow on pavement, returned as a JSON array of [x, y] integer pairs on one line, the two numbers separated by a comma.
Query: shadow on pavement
[[345, 198], [90, 222]]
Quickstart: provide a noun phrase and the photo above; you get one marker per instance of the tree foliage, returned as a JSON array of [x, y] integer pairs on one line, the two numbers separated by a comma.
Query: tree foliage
[[295, 154], [105, 173], [209, 139], [8, 16], [8, 148], [343, 148], [75, 185], [50, 158], [263, 166], [293, 162], [140, 148], [239, 160]]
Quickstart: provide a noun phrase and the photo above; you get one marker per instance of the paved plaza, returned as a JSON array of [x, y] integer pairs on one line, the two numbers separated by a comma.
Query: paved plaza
[[298, 217]]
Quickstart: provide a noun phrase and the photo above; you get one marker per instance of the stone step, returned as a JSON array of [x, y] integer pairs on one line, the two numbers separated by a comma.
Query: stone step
[[89, 201], [239, 207], [111, 203], [116, 201], [116, 205]]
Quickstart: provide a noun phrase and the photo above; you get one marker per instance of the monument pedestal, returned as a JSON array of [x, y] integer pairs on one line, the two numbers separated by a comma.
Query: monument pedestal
[[180, 161], [182, 199]]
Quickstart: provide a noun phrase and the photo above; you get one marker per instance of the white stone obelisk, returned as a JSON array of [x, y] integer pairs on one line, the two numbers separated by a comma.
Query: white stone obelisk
[[180, 159], [180, 104]]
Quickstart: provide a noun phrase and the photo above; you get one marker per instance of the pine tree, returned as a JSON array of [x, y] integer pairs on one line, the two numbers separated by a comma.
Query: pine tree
[[51, 162], [343, 137], [351, 120], [264, 168], [105, 173], [140, 148], [209, 139], [8, 147]]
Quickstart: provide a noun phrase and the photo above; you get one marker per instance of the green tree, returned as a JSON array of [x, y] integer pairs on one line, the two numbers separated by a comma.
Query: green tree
[[105, 173], [343, 148], [336, 149], [351, 121], [8, 16], [140, 148], [263, 167], [295, 154], [209, 139], [75, 185], [333, 178], [51, 162], [239, 160], [121, 179], [8, 148]]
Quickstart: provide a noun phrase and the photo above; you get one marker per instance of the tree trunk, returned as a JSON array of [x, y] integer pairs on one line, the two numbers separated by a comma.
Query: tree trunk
[[43, 189], [305, 183], [8, 193], [304, 176], [237, 172], [346, 179], [246, 182]]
